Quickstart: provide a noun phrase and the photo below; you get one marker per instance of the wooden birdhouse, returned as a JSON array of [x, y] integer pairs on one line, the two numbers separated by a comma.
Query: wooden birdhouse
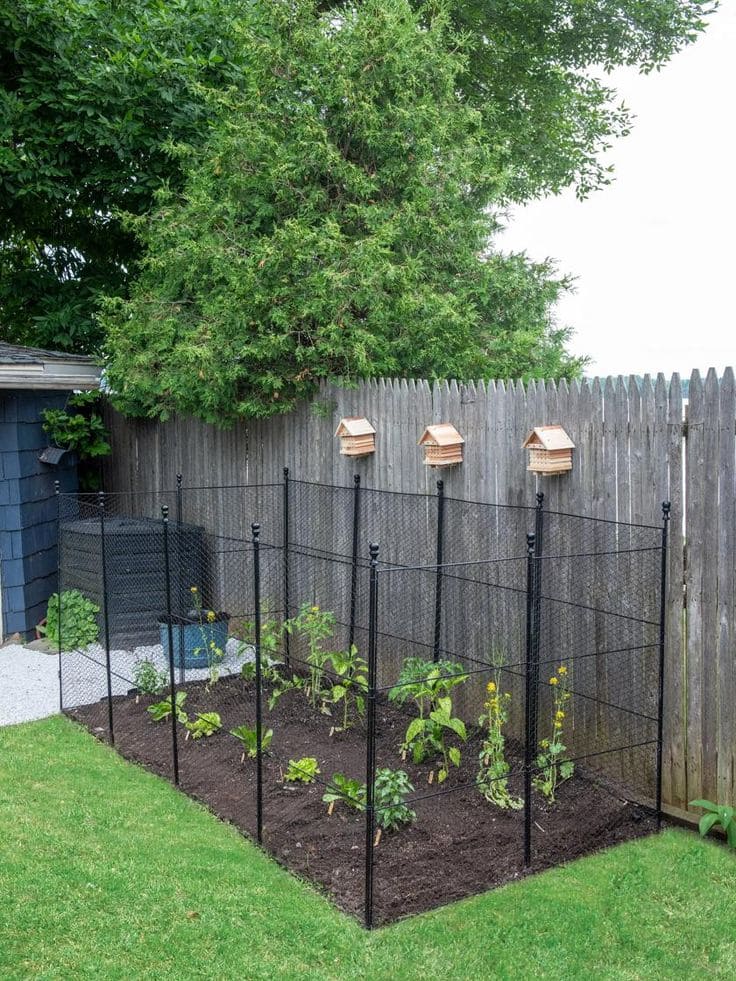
[[443, 445], [550, 450], [357, 437]]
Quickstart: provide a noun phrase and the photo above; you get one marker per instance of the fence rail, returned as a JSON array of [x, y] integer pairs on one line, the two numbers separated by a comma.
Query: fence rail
[[634, 449]]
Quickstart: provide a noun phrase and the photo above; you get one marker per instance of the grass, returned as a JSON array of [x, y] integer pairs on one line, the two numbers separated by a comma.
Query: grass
[[107, 872]]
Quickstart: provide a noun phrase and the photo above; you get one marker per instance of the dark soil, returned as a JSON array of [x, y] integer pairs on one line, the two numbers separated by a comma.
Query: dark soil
[[459, 844]]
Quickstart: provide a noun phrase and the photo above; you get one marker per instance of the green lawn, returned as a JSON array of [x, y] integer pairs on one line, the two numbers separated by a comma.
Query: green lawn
[[107, 872]]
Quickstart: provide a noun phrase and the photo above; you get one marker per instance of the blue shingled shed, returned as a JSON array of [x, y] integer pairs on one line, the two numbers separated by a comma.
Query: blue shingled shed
[[32, 380]]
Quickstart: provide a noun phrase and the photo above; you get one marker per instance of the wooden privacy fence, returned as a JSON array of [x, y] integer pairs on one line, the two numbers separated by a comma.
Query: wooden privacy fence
[[635, 447]]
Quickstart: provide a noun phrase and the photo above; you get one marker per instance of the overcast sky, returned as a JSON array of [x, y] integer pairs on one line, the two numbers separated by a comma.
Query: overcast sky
[[654, 252]]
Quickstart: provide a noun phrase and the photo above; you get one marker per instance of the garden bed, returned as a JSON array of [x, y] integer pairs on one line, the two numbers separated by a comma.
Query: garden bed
[[459, 844]]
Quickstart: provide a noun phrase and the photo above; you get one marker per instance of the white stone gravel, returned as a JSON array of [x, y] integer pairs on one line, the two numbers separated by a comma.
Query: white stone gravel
[[29, 684]]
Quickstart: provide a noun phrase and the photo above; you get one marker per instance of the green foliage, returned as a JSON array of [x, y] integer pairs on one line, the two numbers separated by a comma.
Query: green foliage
[[102, 103], [75, 620], [392, 787], [248, 738], [304, 770], [82, 431], [346, 789], [148, 679], [351, 685], [553, 766], [206, 724], [314, 625], [425, 681], [162, 710], [717, 814], [493, 768]]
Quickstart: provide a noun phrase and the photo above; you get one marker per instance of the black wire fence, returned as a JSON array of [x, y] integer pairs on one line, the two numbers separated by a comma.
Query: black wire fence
[[407, 698]]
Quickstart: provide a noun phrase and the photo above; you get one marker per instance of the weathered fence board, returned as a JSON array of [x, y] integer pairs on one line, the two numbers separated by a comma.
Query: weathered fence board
[[632, 452]]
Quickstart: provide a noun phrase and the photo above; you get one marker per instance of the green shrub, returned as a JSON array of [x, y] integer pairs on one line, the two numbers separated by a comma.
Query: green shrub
[[76, 621]]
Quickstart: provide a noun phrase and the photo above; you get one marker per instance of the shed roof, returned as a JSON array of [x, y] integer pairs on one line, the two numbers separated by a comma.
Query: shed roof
[[443, 434], [354, 426], [32, 367], [550, 437]]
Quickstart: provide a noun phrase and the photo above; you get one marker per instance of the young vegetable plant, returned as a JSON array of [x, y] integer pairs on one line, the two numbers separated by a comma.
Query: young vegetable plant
[[351, 686], [493, 768], [428, 684], [346, 789], [392, 787], [148, 679], [162, 710], [304, 770], [206, 724], [247, 737], [554, 767], [215, 654], [314, 625], [271, 631], [717, 814]]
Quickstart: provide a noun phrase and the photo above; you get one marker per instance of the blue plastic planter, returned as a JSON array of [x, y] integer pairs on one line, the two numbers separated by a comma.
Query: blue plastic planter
[[195, 638]]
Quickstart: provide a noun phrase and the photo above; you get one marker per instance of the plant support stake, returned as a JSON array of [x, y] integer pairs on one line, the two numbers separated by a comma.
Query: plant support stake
[[256, 530], [438, 580], [287, 598], [354, 564], [370, 763], [666, 507], [180, 604], [106, 616], [530, 701], [57, 489], [170, 632]]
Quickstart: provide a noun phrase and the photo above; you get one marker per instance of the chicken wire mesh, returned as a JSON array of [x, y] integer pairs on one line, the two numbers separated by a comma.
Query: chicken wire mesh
[[259, 613]]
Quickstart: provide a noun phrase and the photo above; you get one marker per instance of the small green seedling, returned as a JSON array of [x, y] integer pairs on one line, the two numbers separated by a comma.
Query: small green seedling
[[148, 679], [162, 710], [304, 770], [347, 790], [392, 787], [717, 814], [247, 737], [206, 724]]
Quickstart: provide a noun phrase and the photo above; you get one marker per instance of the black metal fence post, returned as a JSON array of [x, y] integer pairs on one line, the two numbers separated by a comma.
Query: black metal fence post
[[57, 492], [530, 700], [666, 507], [354, 566], [537, 619], [256, 530], [180, 606], [105, 615], [170, 632], [287, 597], [438, 580], [370, 764]]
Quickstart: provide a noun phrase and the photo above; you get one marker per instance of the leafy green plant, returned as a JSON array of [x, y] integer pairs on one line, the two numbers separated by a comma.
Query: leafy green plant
[[493, 767], [206, 617], [351, 686], [248, 738], [428, 684], [304, 770], [148, 679], [346, 789], [271, 633], [392, 787], [74, 621], [206, 724], [554, 767], [717, 814], [314, 625], [162, 710], [79, 427]]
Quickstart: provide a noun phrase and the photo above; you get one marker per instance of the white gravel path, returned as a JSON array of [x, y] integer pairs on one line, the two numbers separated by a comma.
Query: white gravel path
[[29, 683]]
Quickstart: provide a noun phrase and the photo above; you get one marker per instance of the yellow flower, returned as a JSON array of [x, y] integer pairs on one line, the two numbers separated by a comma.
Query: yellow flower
[[212, 645], [315, 609], [553, 681], [558, 725], [491, 686], [562, 669], [211, 616], [544, 744], [560, 714], [192, 589]]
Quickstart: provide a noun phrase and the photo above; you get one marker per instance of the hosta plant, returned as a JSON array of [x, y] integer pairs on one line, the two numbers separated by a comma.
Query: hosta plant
[[247, 737], [493, 769], [721, 814], [551, 761], [304, 770], [206, 724], [162, 710]]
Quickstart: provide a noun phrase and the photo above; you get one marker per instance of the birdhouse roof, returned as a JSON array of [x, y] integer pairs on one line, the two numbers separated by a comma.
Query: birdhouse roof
[[354, 426], [549, 438], [443, 434]]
